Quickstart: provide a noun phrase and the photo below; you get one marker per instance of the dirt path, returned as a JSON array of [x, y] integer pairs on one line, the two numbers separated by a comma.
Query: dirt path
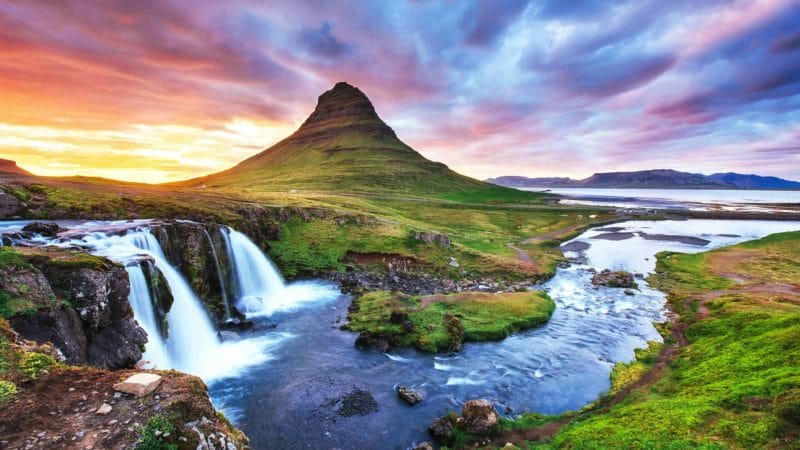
[[522, 256], [554, 234]]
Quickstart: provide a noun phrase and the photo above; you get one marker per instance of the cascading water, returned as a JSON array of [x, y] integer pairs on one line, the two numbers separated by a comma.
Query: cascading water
[[192, 338], [226, 304], [142, 304], [258, 282]]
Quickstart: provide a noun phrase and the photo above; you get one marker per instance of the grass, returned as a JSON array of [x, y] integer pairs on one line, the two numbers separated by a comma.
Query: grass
[[737, 383], [152, 435], [438, 322]]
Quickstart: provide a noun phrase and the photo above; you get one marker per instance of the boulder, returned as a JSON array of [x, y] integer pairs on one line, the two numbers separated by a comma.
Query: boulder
[[140, 384], [427, 237], [9, 205], [615, 279], [479, 417], [424, 446], [410, 396], [225, 336], [629, 292], [48, 229], [443, 429]]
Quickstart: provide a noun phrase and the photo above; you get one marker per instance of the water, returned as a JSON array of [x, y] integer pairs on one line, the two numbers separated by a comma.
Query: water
[[280, 385], [561, 366], [686, 199], [222, 285], [142, 305]]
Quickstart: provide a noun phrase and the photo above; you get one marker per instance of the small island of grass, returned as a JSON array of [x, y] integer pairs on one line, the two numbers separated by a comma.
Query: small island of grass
[[437, 323]]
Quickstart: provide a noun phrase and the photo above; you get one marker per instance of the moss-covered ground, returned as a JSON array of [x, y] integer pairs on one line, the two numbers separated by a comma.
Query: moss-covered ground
[[437, 322]]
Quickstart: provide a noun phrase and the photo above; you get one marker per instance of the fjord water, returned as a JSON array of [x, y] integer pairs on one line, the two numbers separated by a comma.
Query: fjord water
[[681, 199]]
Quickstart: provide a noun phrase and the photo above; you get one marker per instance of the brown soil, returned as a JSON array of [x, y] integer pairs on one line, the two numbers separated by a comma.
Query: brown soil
[[57, 410]]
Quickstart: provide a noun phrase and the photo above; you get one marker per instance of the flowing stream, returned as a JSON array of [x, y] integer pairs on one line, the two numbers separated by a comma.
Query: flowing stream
[[296, 385]]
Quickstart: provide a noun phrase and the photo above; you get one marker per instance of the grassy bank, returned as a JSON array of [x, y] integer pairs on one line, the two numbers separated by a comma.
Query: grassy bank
[[736, 383], [440, 322]]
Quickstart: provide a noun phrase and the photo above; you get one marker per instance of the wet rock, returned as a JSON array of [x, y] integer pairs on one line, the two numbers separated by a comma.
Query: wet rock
[[140, 384], [410, 396], [440, 239], [479, 417], [424, 446], [455, 333], [616, 279], [225, 336], [443, 429], [629, 292], [242, 325], [48, 229], [372, 340], [575, 246]]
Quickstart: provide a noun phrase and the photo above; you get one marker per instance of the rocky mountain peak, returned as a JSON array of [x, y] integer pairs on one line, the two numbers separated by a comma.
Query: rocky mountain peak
[[343, 106]]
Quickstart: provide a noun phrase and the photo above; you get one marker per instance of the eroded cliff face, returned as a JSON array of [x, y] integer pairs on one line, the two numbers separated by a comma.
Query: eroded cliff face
[[76, 301]]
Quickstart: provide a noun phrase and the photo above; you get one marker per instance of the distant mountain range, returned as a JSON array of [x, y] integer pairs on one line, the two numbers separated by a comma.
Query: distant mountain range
[[653, 179]]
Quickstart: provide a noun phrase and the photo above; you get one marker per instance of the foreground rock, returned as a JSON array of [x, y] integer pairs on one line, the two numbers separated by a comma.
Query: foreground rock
[[615, 279], [410, 396], [478, 418], [48, 229], [140, 384]]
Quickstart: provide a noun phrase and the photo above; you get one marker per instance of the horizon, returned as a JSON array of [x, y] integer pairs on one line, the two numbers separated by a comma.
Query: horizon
[[166, 92]]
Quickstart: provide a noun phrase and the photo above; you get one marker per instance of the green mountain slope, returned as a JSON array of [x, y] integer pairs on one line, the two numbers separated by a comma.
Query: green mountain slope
[[345, 147]]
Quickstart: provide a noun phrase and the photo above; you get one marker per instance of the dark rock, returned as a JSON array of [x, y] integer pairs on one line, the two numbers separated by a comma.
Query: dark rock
[[443, 429], [10, 206], [410, 396], [630, 292], [370, 340], [455, 333], [615, 279], [225, 335], [575, 246], [48, 229], [83, 311], [408, 326], [427, 237], [424, 446], [398, 317], [241, 325], [479, 417]]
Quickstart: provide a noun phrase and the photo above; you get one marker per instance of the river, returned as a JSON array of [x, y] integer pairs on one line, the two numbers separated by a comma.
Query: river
[[303, 384]]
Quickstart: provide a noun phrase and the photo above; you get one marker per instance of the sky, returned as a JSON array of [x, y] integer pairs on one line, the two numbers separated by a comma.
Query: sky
[[158, 91]]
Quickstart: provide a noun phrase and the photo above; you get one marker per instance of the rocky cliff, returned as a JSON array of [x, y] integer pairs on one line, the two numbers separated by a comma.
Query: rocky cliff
[[76, 301]]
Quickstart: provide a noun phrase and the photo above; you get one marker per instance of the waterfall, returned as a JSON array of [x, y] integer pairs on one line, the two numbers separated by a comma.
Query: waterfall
[[258, 283], [142, 304], [221, 277], [192, 338]]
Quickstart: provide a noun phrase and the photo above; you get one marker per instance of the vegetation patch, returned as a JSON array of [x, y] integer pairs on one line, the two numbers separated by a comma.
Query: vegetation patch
[[156, 434], [443, 322], [737, 383]]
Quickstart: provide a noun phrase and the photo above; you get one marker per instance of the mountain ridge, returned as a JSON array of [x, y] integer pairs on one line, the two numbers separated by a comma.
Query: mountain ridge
[[654, 179]]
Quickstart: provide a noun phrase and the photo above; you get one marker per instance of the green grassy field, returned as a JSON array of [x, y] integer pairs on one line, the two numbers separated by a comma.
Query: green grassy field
[[737, 382]]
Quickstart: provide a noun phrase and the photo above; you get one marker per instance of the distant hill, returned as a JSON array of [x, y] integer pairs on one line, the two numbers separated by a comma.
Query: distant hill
[[653, 179], [8, 166], [344, 146]]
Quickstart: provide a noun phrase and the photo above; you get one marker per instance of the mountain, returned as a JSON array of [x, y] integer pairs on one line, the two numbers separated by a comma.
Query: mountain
[[653, 179], [754, 181], [8, 166], [344, 146]]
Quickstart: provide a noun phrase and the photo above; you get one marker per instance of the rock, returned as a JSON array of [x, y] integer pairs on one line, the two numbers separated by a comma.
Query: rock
[[443, 428], [616, 279], [630, 292], [453, 262], [409, 395], [440, 239], [398, 317], [9, 205], [104, 409], [228, 336], [424, 446], [479, 417], [140, 384], [48, 229], [367, 340]]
